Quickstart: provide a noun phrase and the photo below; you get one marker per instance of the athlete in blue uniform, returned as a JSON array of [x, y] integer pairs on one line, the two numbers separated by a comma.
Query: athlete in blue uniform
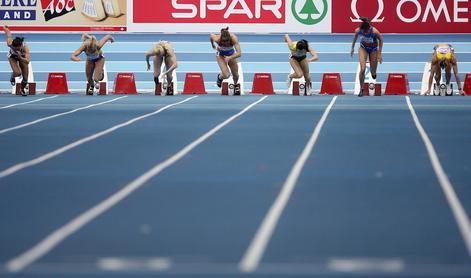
[[371, 45], [228, 50], [95, 59], [19, 58], [163, 53]]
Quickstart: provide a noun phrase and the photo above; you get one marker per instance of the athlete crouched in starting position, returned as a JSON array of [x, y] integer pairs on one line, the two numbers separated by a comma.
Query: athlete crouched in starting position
[[299, 62], [19, 59], [95, 59], [228, 50], [444, 58], [371, 46], [163, 53]]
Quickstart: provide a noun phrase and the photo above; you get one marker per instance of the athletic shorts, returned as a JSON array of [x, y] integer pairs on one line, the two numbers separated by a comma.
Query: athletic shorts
[[227, 53], [369, 49], [298, 58]]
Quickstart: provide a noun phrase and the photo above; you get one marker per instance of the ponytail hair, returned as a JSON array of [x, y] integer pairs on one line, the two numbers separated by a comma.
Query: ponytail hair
[[17, 42], [91, 40], [302, 45], [225, 38], [365, 23]]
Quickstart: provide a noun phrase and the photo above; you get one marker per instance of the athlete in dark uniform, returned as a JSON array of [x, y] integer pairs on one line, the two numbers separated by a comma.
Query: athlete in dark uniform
[[19, 59]]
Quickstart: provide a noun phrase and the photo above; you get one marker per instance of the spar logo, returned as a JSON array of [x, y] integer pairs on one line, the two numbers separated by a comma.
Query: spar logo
[[309, 12], [224, 10], [56, 8]]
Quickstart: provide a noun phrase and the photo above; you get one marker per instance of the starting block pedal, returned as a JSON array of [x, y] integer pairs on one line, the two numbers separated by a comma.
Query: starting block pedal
[[331, 84], [467, 85], [263, 84], [442, 90], [398, 84], [373, 89], [102, 91], [163, 87], [125, 83], [30, 88], [194, 84], [228, 87], [57, 83]]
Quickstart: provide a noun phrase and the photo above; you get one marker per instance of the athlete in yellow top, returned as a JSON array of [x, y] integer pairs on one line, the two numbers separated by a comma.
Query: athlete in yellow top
[[298, 60], [444, 58], [95, 59]]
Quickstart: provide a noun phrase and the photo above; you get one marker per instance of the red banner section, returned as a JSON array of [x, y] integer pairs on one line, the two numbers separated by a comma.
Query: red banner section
[[403, 16], [209, 11]]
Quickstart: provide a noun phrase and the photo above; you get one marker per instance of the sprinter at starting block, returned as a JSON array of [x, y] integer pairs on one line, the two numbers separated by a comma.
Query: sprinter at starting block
[[443, 58], [163, 52], [19, 58], [299, 62], [371, 46], [228, 50], [95, 60]]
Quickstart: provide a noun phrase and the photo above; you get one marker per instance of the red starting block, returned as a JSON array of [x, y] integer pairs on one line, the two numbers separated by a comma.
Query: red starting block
[[262, 84], [31, 88], [372, 89], [124, 83], [299, 88], [101, 90], [57, 83], [225, 88], [467, 84], [194, 84], [331, 84], [398, 84]]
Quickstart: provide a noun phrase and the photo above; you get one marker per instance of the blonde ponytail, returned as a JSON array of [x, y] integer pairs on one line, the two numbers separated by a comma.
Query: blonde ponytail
[[91, 45]]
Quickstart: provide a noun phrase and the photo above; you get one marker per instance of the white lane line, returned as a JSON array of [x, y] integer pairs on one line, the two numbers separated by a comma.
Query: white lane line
[[28, 102], [371, 265], [20, 166], [57, 115], [47, 244], [459, 212], [255, 251]]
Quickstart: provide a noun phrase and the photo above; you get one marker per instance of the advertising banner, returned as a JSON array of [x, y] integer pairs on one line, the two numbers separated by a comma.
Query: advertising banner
[[196, 16], [403, 16], [64, 15]]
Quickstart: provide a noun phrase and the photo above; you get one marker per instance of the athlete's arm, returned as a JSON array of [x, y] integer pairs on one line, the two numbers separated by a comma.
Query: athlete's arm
[[105, 39], [26, 58], [314, 55], [457, 75], [74, 56], [173, 58], [213, 38], [289, 41], [355, 38], [238, 52], [149, 54], [380, 45], [8, 34]]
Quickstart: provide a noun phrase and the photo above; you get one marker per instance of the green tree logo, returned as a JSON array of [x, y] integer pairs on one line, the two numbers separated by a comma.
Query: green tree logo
[[309, 13]]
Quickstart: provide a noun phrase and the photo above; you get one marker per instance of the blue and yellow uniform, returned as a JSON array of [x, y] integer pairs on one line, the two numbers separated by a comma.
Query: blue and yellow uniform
[[95, 55], [296, 53], [444, 51]]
